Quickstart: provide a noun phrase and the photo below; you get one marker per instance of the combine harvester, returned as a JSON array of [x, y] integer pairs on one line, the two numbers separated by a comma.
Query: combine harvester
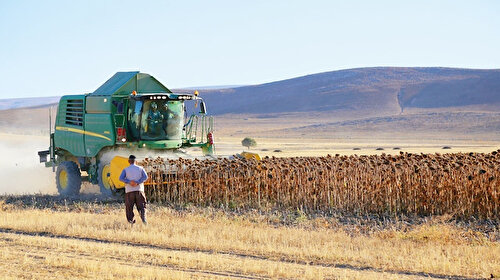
[[131, 113]]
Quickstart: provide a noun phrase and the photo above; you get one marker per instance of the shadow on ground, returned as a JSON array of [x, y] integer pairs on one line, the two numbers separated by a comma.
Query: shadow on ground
[[56, 202]]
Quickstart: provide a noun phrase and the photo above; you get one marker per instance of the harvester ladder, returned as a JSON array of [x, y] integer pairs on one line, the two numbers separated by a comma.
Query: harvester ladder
[[198, 128]]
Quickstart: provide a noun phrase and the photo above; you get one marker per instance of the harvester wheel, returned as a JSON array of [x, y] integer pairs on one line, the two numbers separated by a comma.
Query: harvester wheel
[[104, 179], [68, 178]]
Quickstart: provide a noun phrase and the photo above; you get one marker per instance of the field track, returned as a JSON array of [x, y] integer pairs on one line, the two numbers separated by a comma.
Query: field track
[[18, 241], [40, 252]]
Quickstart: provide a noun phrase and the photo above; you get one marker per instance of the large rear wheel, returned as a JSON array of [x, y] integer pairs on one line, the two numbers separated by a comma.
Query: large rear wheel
[[68, 178], [104, 178]]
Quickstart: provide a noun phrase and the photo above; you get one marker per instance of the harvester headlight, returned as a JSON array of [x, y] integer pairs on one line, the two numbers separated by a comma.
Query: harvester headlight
[[124, 139], [144, 145]]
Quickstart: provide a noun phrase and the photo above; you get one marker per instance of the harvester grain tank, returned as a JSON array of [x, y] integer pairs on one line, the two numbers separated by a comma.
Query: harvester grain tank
[[132, 112]]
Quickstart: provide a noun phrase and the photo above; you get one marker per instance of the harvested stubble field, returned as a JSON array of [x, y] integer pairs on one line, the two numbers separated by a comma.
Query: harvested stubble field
[[205, 235], [464, 185], [48, 237]]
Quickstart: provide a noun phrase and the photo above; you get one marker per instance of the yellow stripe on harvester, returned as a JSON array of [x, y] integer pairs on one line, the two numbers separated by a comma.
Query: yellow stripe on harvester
[[81, 131]]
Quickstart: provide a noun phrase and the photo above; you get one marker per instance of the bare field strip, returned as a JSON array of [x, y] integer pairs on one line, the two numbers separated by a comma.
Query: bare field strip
[[304, 146], [226, 257], [125, 261], [236, 247]]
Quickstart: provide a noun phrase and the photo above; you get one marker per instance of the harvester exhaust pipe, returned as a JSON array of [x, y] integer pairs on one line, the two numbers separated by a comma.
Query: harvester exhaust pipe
[[50, 139]]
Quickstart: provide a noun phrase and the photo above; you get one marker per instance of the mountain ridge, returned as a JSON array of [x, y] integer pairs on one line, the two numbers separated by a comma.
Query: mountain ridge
[[366, 91], [376, 89]]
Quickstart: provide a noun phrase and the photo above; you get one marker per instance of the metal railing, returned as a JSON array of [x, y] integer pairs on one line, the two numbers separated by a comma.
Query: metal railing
[[198, 127]]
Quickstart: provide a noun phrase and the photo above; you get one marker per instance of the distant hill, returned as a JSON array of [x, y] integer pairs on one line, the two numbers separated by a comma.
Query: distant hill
[[383, 101], [31, 120], [210, 87], [446, 125], [13, 103], [368, 91], [420, 103]]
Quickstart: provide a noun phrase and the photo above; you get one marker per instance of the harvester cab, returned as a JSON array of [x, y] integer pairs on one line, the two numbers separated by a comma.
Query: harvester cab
[[130, 113]]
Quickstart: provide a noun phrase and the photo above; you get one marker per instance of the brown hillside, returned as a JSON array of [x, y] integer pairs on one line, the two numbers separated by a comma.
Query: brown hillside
[[373, 91]]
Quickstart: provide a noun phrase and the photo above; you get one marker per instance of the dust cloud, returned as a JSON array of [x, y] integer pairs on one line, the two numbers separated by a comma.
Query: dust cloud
[[20, 169], [22, 173]]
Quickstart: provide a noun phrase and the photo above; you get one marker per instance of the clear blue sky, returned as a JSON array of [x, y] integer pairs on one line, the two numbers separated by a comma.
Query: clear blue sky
[[50, 48]]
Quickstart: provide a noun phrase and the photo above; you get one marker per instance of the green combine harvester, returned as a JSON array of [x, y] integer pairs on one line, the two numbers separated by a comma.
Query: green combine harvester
[[132, 112]]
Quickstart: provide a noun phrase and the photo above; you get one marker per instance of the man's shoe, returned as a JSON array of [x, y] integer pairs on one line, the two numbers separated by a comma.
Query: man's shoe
[[145, 222], [132, 222]]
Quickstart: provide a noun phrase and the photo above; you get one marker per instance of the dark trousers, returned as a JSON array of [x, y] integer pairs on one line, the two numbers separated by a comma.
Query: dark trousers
[[139, 199]]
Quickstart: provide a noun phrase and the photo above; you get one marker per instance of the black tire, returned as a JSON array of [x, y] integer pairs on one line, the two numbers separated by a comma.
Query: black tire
[[68, 178], [118, 192]]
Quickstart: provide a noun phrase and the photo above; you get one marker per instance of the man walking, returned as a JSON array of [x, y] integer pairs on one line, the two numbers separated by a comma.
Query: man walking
[[134, 177]]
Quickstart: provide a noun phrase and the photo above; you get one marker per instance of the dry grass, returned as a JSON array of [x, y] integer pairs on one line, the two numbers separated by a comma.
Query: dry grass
[[186, 243], [77, 258], [92, 240]]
